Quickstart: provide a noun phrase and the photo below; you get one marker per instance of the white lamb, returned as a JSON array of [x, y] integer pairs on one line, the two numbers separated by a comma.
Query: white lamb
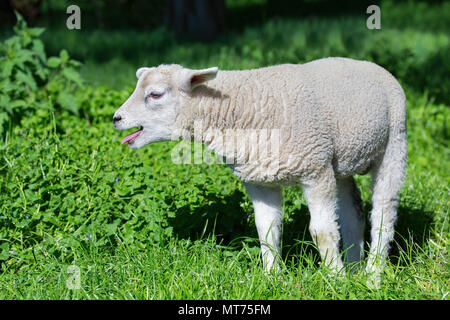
[[332, 118]]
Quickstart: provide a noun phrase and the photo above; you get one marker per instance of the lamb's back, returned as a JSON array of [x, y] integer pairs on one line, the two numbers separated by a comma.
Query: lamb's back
[[356, 100]]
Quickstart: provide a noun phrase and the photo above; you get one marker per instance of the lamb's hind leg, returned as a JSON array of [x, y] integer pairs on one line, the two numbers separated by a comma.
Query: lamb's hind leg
[[351, 220], [321, 195], [387, 178], [267, 203]]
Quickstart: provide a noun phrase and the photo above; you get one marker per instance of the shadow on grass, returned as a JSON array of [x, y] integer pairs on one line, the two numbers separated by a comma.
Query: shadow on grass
[[228, 222], [413, 227], [412, 230], [221, 216]]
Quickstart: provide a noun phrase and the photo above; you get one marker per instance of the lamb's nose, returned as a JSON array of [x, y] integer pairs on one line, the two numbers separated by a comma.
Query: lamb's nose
[[117, 118]]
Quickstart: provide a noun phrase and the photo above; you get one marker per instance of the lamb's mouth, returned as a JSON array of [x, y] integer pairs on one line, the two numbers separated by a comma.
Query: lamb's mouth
[[130, 139]]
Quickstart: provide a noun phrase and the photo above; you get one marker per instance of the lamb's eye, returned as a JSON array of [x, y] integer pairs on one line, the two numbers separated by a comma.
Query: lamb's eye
[[155, 95]]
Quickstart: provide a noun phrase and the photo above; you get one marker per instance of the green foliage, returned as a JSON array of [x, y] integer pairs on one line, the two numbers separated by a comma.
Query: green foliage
[[414, 48], [107, 13], [30, 81], [66, 182]]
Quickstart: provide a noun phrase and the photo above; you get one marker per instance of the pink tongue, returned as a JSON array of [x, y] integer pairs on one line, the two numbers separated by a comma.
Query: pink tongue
[[131, 136]]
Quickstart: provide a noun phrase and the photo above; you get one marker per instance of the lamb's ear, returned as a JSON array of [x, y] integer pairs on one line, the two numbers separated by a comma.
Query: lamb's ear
[[190, 79], [140, 71]]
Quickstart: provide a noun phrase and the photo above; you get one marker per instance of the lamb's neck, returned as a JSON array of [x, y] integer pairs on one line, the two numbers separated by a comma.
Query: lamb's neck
[[227, 120], [211, 111]]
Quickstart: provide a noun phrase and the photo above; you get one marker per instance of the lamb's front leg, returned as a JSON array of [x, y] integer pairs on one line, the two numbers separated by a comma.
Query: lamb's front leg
[[267, 204]]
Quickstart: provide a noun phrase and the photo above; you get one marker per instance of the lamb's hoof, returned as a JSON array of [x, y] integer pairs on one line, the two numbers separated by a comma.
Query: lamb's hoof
[[374, 281], [272, 269], [374, 272]]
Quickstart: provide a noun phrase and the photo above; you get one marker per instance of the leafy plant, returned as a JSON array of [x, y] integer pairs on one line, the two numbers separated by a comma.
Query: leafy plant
[[29, 80]]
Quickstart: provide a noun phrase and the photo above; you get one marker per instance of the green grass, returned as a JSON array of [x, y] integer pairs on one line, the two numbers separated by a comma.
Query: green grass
[[203, 269], [139, 226]]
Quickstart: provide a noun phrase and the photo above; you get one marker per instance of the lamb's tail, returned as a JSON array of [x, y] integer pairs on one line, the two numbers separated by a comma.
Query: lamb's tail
[[397, 110]]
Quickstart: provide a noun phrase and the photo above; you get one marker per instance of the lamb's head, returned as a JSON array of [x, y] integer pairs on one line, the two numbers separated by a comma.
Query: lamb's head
[[156, 101]]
